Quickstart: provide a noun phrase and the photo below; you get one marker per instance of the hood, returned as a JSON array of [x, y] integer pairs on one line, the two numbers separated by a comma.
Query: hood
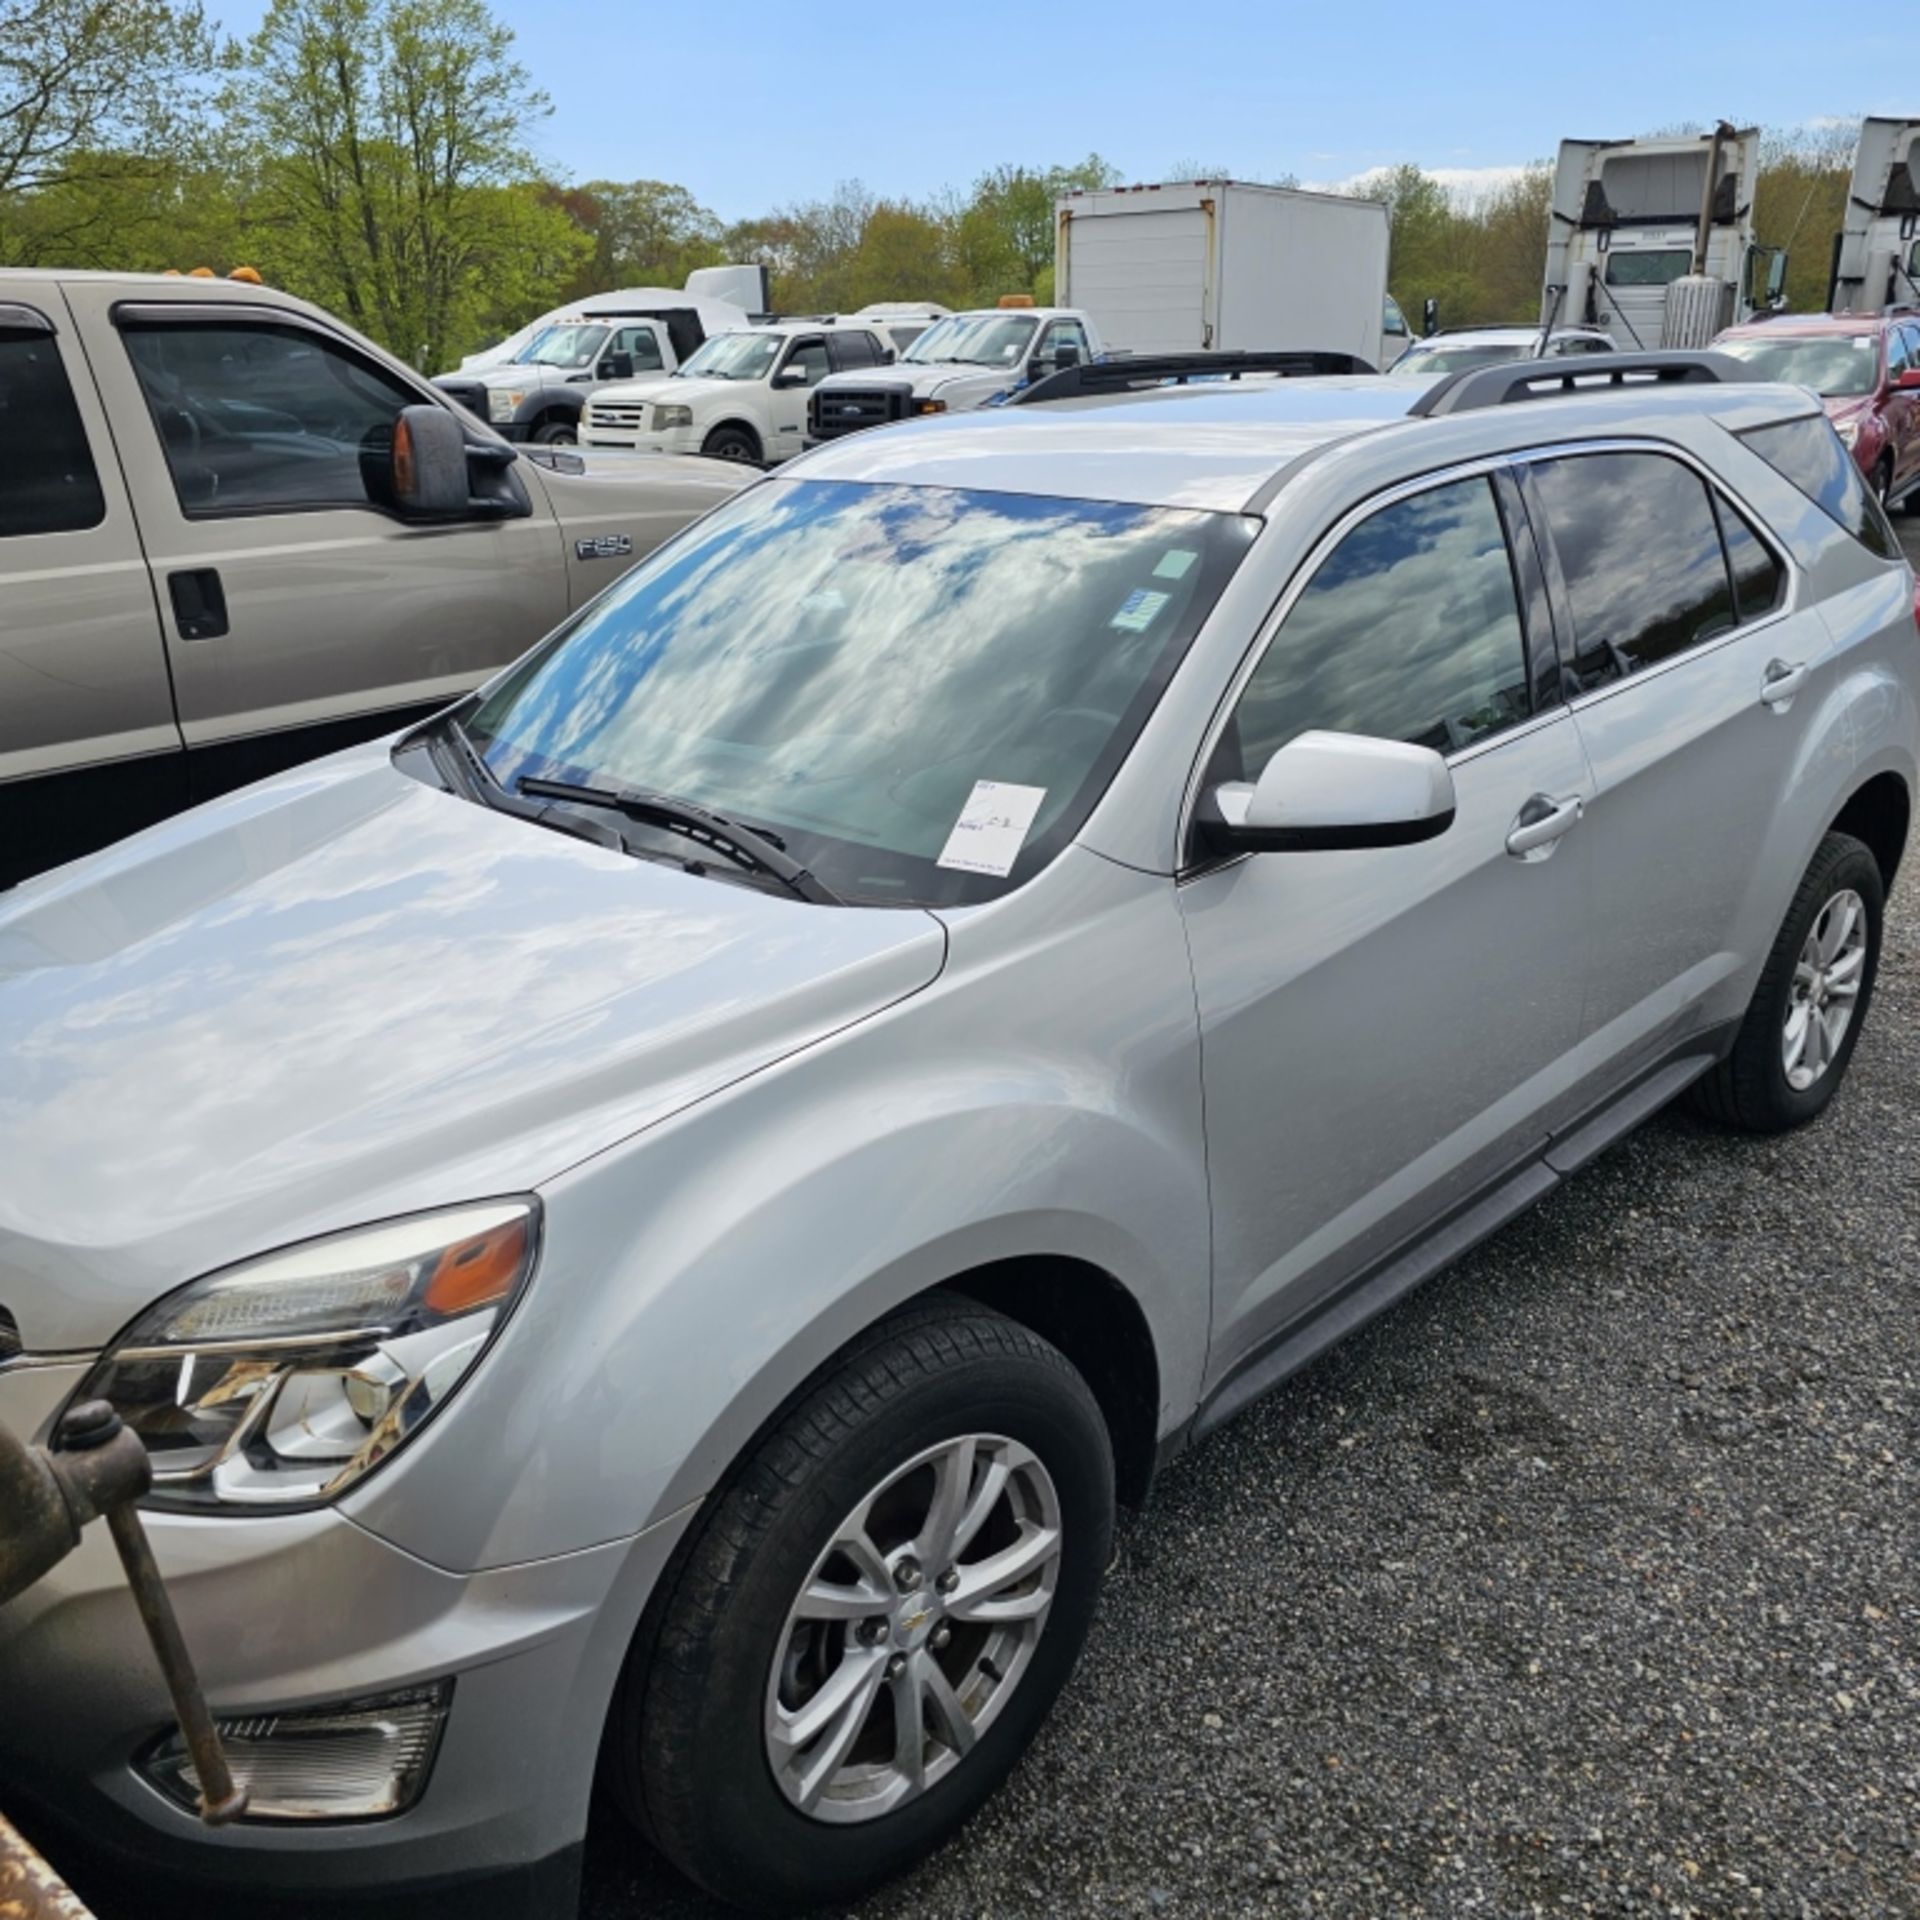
[[674, 388], [514, 374], [943, 377], [343, 995]]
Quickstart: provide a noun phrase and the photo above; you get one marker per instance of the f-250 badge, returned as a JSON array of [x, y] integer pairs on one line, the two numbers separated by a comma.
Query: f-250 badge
[[604, 546]]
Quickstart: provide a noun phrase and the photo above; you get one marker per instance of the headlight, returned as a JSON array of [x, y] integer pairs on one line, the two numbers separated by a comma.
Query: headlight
[[929, 406], [283, 1381], [666, 419], [1849, 431], [503, 403]]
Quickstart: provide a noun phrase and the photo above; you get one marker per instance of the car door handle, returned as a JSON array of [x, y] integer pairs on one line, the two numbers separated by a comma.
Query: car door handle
[[199, 603], [1782, 681], [1541, 822]]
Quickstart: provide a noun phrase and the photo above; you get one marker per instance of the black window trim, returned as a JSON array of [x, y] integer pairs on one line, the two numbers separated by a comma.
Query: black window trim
[[1787, 604], [146, 316], [1191, 858]]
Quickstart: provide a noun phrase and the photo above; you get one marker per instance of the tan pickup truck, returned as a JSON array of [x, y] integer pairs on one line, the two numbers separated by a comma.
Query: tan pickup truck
[[234, 534]]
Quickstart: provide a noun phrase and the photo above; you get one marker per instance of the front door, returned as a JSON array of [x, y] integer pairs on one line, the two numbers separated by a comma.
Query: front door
[[801, 369], [1383, 1032], [290, 599]]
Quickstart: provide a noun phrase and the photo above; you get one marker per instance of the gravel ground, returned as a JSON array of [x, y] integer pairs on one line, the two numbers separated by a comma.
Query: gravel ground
[[1586, 1581]]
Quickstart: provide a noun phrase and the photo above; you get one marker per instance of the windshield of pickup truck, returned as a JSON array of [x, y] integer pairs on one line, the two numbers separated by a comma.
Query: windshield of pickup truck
[[733, 356], [1832, 365], [921, 691], [565, 346], [1647, 269], [974, 340]]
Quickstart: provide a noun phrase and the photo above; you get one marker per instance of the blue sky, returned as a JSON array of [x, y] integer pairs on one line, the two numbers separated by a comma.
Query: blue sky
[[751, 104]]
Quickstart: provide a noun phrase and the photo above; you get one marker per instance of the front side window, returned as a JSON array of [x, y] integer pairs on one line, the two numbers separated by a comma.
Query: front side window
[[1410, 630], [1808, 452], [809, 360], [1639, 549], [846, 664], [640, 344], [48, 483], [257, 417]]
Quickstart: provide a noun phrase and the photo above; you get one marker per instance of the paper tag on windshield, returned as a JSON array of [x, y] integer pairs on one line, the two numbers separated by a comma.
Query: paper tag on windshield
[[1138, 609], [992, 826], [1175, 564]]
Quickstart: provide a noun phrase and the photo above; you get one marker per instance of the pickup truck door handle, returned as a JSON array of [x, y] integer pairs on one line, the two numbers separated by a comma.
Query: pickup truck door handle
[[199, 604], [1540, 823], [1781, 681]]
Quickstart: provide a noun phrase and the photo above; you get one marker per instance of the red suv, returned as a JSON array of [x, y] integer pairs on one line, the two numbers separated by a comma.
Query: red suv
[[1866, 367]]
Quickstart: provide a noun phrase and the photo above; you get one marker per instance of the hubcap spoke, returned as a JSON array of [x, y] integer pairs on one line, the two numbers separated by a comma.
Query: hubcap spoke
[[937, 1693], [952, 1482], [982, 1593]]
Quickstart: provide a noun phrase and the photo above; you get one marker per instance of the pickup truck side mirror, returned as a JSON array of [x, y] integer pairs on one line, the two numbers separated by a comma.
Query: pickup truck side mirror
[[792, 377], [427, 473], [616, 366], [1325, 792], [1064, 356]]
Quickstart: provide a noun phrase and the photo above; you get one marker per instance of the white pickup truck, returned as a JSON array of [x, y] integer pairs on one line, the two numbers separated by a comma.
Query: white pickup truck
[[961, 362], [742, 397], [539, 391]]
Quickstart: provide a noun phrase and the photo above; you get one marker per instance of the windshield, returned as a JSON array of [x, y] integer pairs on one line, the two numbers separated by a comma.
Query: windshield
[[1429, 360], [573, 345], [1833, 365], [861, 669], [734, 356], [1647, 269], [975, 340]]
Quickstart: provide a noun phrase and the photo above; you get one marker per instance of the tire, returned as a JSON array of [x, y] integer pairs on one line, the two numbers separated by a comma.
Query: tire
[[557, 433], [1753, 1089], [732, 443], [690, 1752]]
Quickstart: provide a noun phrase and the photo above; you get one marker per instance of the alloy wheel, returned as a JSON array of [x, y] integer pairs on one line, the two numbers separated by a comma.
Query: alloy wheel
[[913, 1628], [1825, 989]]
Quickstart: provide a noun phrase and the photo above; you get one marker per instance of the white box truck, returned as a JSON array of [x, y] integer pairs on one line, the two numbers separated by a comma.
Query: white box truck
[[1204, 265], [1640, 244], [1876, 260]]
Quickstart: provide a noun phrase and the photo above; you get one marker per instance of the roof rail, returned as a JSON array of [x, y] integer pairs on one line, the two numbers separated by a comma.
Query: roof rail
[[1507, 381], [1136, 370]]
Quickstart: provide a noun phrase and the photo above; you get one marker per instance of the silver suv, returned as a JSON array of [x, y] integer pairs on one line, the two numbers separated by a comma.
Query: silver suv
[[648, 1223]]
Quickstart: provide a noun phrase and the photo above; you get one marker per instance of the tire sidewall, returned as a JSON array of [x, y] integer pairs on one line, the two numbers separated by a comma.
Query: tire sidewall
[[769, 1853], [1851, 867]]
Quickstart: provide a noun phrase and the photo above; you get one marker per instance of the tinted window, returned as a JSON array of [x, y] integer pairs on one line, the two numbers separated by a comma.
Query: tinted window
[[1759, 580], [809, 358], [255, 418], [1896, 353], [1810, 454], [853, 350], [1410, 630], [47, 478], [1640, 552]]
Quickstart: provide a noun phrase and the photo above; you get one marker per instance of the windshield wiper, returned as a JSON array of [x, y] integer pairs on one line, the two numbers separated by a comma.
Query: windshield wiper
[[746, 846]]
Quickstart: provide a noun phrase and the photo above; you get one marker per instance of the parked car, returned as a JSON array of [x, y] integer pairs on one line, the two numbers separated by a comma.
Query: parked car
[[648, 1224], [714, 298], [742, 397], [903, 321], [1457, 348], [216, 561], [1866, 370]]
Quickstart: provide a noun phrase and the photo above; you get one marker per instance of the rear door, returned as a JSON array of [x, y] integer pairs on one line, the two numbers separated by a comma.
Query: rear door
[[1695, 678], [83, 673], [291, 600]]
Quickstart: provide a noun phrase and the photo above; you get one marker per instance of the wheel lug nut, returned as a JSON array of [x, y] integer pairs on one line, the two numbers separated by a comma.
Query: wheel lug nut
[[872, 1632], [896, 1666], [948, 1580], [941, 1635], [907, 1575]]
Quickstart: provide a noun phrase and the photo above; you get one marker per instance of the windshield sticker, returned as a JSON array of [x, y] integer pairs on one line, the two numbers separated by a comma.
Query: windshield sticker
[[992, 825], [1138, 609], [1175, 565]]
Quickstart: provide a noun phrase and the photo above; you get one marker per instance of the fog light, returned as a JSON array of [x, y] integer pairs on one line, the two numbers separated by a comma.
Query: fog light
[[361, 1760]]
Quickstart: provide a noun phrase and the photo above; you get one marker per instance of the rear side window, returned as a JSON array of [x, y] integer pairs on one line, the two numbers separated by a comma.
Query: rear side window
[[1639, 550], [1809, 453], [1759, 580], [854, 350], [1410, 630], [48, 483], [263, 418]]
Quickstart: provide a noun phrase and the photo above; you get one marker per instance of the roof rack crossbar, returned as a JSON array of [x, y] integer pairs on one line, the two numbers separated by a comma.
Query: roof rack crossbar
[[1137, 370], [1509, 381]]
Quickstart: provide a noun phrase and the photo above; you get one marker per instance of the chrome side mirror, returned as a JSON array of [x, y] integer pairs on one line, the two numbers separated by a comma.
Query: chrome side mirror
[[1325, 792]]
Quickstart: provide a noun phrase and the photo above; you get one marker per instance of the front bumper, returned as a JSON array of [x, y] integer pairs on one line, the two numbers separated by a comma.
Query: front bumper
[[680, 440], [297, 1610]]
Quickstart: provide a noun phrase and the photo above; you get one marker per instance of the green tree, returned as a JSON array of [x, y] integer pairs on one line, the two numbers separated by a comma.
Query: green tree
[[383, 143], [643, 233], [1004, 233], [97, 98]]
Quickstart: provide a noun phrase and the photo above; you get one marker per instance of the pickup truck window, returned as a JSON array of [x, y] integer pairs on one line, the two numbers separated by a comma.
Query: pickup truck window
[[263, 418], [844, 664], [808, 357], [641, 344], [48, 483]]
